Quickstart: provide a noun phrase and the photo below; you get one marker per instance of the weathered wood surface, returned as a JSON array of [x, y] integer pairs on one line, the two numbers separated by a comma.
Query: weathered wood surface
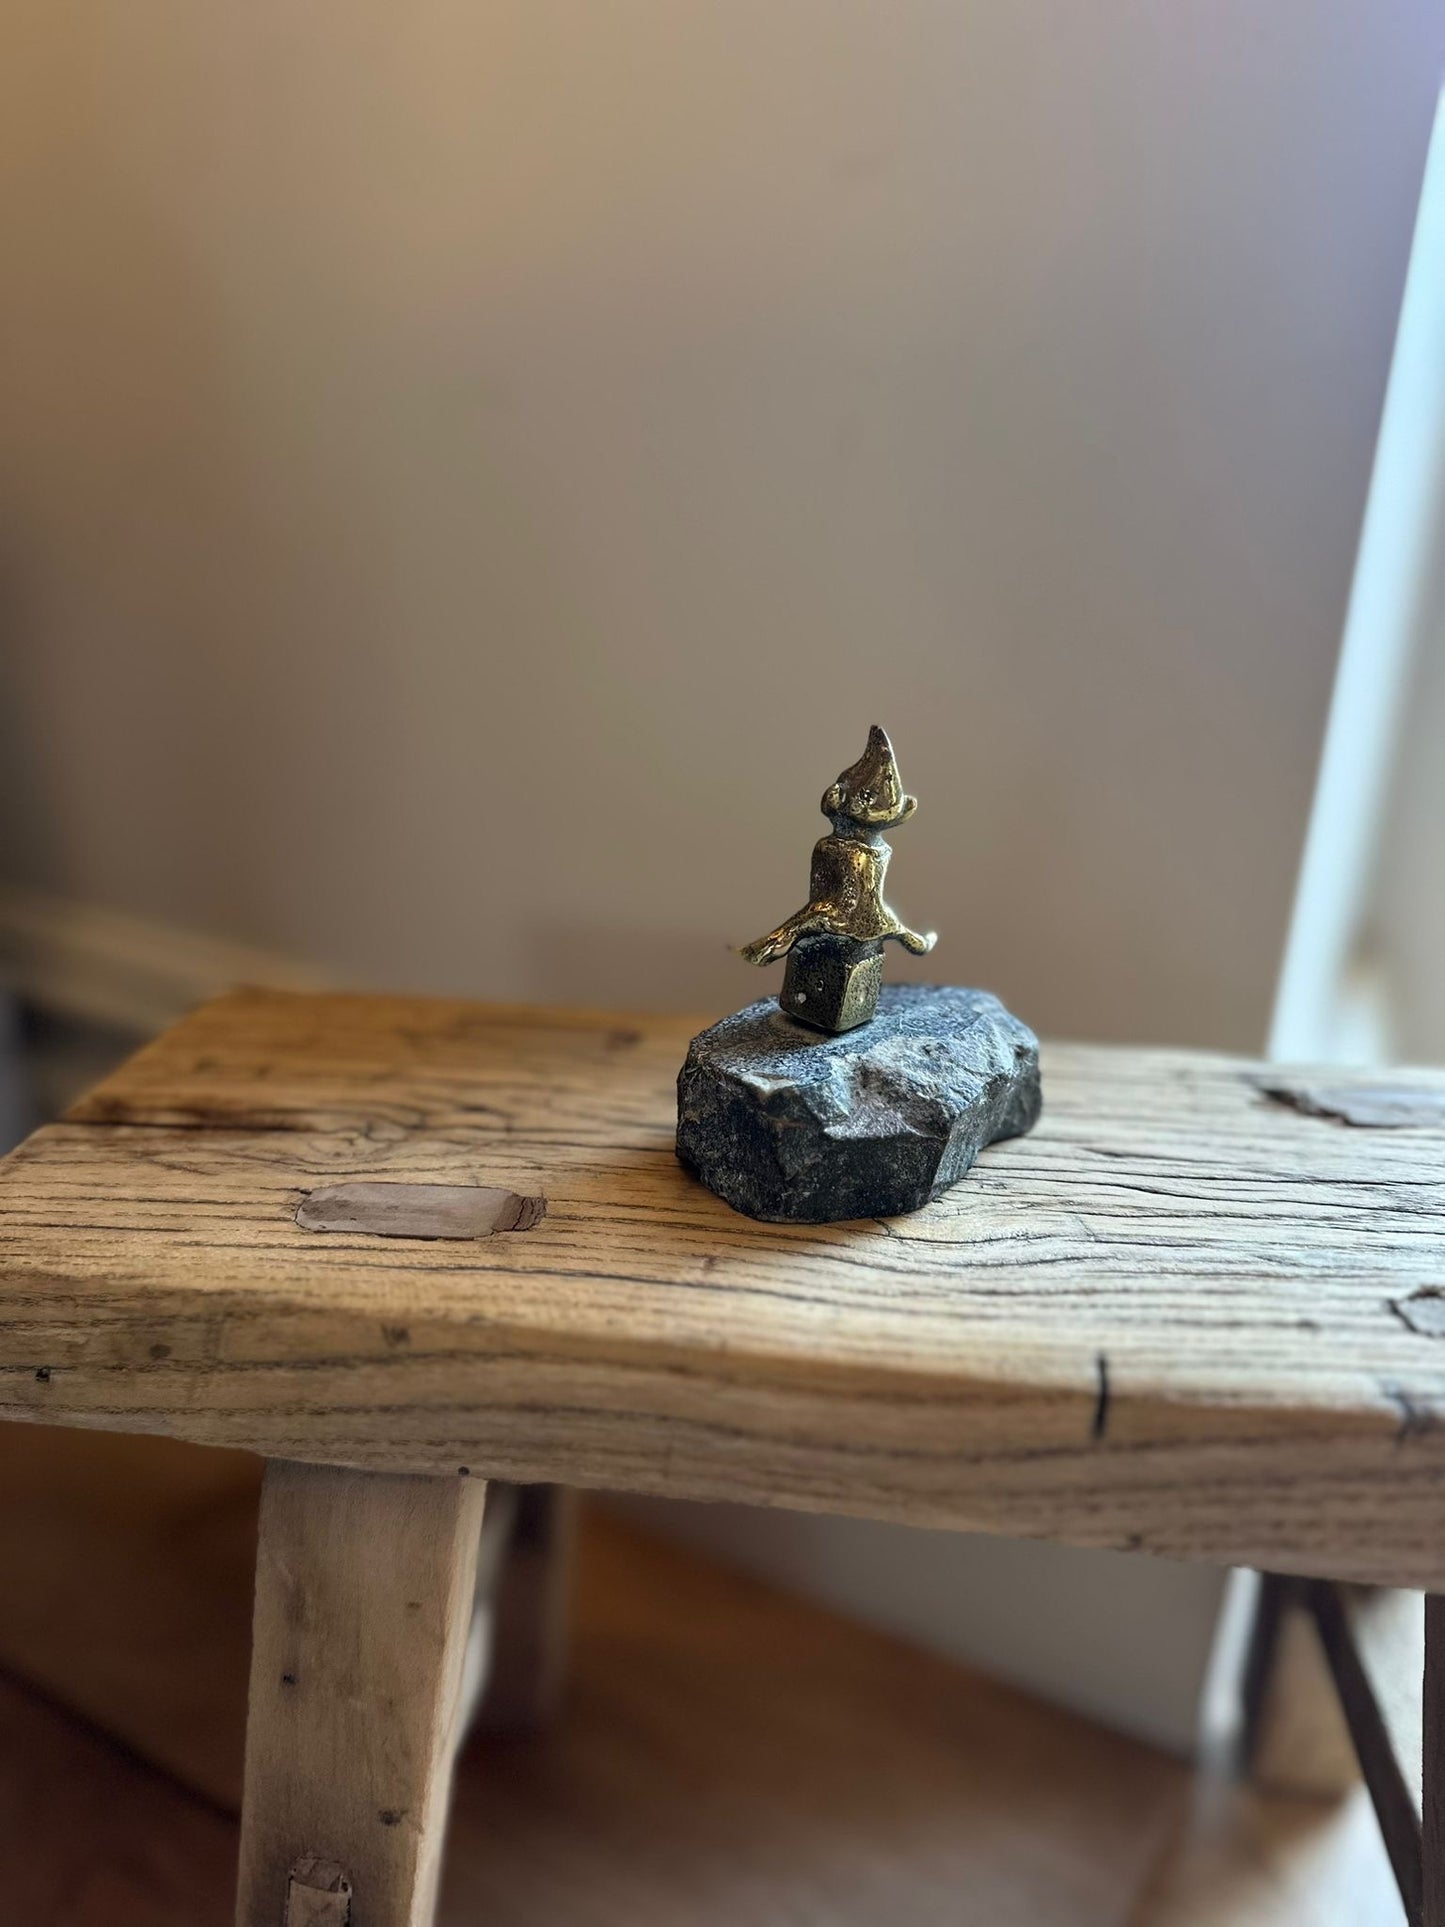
[[1182, 1316], [364, 1587]]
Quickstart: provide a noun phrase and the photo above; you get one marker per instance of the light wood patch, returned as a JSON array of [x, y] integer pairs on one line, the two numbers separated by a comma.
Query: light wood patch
[[418, 1210], [318, 1894], [1179, 1317]]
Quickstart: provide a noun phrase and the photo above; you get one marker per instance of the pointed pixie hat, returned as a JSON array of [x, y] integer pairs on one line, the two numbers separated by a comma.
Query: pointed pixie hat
[[871, 791]]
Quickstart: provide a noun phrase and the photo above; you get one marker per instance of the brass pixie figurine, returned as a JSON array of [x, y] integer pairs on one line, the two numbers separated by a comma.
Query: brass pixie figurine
[[834, 944]]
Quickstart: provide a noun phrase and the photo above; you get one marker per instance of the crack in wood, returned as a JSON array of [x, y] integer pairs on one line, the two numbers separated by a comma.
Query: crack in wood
[[1379, 1105], [1415, 1418], [1101, 1407], [1421, 1311]]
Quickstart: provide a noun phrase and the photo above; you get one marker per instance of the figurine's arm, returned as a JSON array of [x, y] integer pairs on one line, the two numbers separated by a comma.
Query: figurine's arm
[[846, 901], [821, 919], [844, 881], [777, 943]]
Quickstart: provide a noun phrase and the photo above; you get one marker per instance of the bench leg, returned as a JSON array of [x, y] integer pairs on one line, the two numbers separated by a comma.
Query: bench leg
[[530, 1612], [1296, 1738], [1432, 1762], [364, 1587]]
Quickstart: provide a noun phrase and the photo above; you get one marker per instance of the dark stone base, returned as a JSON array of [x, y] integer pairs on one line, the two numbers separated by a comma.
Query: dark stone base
[[788, 1124]]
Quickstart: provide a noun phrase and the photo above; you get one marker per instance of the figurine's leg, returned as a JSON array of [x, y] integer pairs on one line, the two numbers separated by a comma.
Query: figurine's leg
[[779, 942], [364, 1585]]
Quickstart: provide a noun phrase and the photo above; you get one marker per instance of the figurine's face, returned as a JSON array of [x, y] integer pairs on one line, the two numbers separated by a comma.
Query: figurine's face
[[863, 809]]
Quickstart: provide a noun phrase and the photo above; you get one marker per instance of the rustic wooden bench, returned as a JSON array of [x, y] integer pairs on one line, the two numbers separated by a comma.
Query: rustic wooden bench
[[1198, 1312]]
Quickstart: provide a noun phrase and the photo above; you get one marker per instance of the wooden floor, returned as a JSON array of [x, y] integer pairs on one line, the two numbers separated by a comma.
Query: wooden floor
[[731, 1756]]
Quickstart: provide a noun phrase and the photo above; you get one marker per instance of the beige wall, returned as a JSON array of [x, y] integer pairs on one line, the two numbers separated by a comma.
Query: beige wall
[[468, 474], [1404, 934]]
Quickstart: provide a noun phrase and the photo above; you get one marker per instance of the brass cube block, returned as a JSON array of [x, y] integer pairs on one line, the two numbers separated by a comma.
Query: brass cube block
[[832, 983]]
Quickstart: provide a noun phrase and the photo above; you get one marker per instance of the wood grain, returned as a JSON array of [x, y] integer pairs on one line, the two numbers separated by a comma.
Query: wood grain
[[1176, 1318], [364, 1585]]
